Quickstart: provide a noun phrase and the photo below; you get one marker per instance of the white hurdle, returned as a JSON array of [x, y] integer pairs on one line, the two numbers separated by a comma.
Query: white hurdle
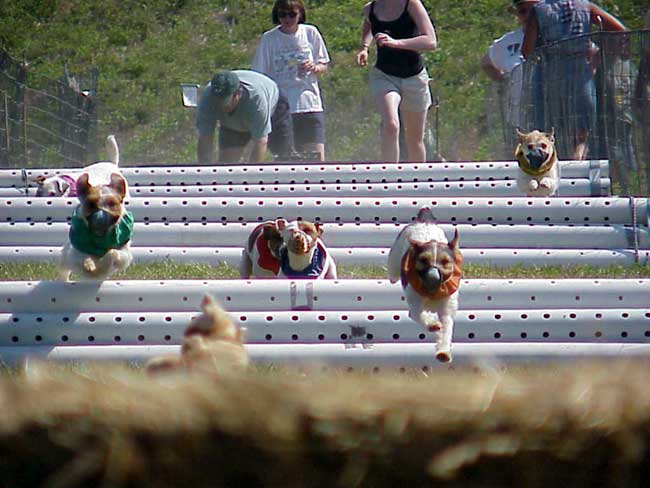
[[354, 323]]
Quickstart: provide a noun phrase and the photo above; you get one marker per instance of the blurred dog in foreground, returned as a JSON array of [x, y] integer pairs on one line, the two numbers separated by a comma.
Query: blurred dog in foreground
[[101, 227], [429, 269], [65, 185], [212, 342], [539, 174]]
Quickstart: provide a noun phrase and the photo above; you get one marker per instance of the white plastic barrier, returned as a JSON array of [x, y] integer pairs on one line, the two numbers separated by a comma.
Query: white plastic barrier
[[347, 235], [375, 358], [480, 210], [311, 173], [357, 256], [577, 187]]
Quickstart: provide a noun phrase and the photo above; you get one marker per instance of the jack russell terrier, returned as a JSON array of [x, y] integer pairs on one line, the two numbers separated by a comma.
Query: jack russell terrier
[[429, 269], [539, 173]]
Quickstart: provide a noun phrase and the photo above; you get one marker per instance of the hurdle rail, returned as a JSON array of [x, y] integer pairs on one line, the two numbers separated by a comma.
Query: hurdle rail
[[358, 323], [313, 173], [479, 210]]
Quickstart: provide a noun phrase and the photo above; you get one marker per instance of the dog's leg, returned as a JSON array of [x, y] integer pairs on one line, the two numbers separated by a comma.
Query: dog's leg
[[89, 266], [443, 342], [64, 275], [245, 265]]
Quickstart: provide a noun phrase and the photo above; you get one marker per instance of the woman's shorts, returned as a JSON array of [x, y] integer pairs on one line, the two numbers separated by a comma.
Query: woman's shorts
[[308, 128], [414, 90]]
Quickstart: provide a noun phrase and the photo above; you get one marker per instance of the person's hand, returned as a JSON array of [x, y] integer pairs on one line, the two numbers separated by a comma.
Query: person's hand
[[306, 67], [362, 56], [384, 40]]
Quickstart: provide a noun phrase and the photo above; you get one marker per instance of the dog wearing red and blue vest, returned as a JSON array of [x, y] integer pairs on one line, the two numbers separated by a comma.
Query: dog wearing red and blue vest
[[283, 249], [100, 229], [304, 255], [429, 269]]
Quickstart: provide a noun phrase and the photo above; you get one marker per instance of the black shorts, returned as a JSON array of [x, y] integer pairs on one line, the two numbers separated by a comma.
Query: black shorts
[[308, 128], [280, 139]]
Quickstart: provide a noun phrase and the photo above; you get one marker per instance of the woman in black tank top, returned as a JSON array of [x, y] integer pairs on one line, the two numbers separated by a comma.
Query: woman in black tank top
[[399, 81]]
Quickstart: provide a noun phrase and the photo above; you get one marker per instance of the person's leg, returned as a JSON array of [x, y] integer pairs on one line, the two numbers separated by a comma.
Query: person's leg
[[388, 107], [281, 136], [231, 145], [416, 100], [309, 132], [414, 130]]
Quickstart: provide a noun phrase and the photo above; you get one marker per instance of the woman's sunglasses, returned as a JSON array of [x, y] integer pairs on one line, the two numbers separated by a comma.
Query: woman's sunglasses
[[287, 14]]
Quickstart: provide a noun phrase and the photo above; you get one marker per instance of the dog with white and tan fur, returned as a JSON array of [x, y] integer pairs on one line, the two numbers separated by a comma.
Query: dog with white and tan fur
[[101, 228], [65, 185], [539, 172], [213, 342], [304, 255], [261, 255], [429, 269]]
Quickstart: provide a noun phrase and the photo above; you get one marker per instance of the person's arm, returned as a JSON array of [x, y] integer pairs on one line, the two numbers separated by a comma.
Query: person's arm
[[319, 53], [609, 22], [205, 148], [490, 69], [259, 149], [530, 35], [366, 38], [426, 41]]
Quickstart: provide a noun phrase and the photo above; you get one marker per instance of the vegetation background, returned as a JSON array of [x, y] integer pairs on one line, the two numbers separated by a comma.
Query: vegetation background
[[144, 49]]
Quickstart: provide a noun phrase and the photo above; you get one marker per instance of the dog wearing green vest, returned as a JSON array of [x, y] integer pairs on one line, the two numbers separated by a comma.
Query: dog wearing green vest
[[101, 229], [539, 172]]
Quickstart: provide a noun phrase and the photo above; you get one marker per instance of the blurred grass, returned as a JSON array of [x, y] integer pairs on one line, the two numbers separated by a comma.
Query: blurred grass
[[168, 270]]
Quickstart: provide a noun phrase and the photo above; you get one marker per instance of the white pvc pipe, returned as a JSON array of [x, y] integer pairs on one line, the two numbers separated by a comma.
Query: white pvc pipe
[[292, 173], [336, 355], [347, 235], [516, 210], [321, 327], [321, 295], [357, 256], [578, 187]]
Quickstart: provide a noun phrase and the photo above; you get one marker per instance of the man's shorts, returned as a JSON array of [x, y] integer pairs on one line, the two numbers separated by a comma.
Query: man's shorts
[[280, 139], [414, 90], [308, 128]]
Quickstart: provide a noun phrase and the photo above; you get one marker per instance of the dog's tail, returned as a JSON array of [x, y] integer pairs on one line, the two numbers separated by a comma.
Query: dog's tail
[[113, 150]]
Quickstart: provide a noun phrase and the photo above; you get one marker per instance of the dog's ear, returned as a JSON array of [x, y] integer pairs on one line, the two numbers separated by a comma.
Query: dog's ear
[[39, 180], [551, 135], [241, 334], [118, 183], [281, 224], [520, 134], [83, 186], [319, 228], [207, 302], [455, 241]]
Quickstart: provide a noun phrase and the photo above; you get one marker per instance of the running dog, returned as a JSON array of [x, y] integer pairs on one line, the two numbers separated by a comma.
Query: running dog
[[539, 174], [429, 269], [101, 227], [261, 255], [212, 342], [304, 255], [65, 185]]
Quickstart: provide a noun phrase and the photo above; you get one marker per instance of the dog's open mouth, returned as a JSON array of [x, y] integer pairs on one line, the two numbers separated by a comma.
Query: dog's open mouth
[[537, 157]]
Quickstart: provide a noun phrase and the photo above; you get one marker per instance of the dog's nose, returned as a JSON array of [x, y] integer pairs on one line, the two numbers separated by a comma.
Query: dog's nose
[[536, 157], [431, 279]]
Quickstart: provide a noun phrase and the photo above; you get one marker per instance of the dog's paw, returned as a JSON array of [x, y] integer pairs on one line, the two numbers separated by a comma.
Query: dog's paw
[[444, 356], [89, 266], [434, 326], [533, 185]]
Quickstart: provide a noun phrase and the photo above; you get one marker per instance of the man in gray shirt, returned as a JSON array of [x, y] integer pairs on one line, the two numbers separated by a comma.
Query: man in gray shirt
[[248, 105]]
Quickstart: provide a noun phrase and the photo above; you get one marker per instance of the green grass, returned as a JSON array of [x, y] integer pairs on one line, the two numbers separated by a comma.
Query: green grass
[[167, 270]]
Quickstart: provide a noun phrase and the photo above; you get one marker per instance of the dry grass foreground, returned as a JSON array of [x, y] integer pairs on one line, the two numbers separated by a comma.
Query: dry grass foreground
[[576, 424]]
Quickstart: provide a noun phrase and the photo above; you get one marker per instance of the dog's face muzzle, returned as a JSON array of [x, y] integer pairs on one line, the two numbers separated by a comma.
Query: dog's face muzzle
[[537, 157], [100, 222], [431, 279]]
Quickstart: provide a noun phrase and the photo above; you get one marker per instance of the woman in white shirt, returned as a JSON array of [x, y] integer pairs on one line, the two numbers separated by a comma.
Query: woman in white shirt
[[293, 54]]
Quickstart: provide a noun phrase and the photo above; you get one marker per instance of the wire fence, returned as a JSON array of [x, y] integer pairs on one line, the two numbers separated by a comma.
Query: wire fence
[[593, 91]]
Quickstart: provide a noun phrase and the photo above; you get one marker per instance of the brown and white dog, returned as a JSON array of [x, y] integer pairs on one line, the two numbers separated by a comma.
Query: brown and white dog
[[212, 342], [429, 269], [261, 255], [101, 228], [304, 255], [539, 173], [65, 185]]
